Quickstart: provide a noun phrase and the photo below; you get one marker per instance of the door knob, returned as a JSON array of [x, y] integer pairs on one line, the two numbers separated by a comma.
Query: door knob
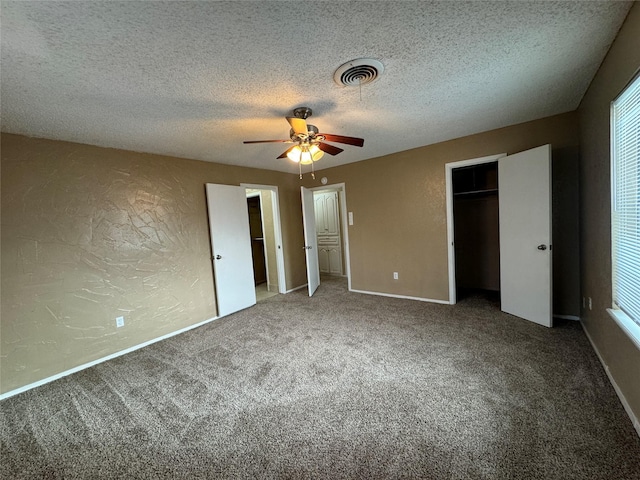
[[218, 257], [542, 247]]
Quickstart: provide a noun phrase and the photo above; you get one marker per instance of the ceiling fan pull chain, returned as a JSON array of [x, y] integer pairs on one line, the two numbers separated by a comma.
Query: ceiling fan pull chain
[[313, 173], [300, 168]]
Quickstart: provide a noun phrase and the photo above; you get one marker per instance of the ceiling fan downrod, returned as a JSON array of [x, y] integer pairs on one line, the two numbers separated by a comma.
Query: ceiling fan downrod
[[302, 112]]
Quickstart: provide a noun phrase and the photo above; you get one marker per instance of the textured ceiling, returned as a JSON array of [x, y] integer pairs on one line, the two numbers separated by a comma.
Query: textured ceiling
[[195, 79]]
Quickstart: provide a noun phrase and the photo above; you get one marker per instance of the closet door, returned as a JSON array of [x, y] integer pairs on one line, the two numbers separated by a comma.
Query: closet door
[[332, 225], [320, 213], [335, 260], [323, 259], [525, 234]]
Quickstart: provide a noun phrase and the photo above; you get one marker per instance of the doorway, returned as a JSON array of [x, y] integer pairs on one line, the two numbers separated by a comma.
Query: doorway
[[476, 230], [523, 191], [469, 195], [266, 242], [328, 229]]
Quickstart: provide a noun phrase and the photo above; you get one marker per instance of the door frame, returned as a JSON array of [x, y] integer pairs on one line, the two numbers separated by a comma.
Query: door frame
[[342, 197], [451, 255], [275, 200]]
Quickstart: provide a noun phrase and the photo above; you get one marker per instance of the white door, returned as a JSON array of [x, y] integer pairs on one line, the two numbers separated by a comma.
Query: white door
[[323, 259], [321, 217], [525, 234], [332, 226], [310, 240], [231, 247], [335, 260]]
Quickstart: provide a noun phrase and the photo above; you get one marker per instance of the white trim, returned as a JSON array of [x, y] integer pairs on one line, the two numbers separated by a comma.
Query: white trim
[[275, 201], [57, 376], [634, 420], [567, 317], [628, 326], [450, 226], [297, 288], [406, 297], [345, 233]]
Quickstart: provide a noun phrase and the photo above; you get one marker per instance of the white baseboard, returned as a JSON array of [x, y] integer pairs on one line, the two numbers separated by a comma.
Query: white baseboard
[[406, 297], [623, 400], [567, 317], [44, 381], [297, 288]]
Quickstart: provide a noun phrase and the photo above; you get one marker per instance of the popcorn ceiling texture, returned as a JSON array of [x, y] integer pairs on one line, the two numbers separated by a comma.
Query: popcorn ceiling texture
[[89, 234], [195, 79]]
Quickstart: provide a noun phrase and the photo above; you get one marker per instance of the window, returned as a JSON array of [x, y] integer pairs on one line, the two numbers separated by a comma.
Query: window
[[625, 209]]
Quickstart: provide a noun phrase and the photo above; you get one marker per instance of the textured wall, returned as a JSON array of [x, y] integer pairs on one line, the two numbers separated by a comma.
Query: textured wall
[[398, 202], [89, 234], [622, 61]]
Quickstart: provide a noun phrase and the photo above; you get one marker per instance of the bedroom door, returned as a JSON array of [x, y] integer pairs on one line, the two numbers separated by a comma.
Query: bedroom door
[[231, 248], [525, 235], [310, 240]]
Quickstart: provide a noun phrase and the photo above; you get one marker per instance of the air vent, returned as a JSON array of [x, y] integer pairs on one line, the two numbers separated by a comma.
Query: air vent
[[358, 72]]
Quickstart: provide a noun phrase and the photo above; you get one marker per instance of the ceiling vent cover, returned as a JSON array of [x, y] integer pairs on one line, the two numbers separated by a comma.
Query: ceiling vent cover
[[358, 72]]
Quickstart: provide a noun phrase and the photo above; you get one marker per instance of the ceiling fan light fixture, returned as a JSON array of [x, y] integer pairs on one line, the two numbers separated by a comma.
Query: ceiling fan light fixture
[[305, 155], [309, 144]]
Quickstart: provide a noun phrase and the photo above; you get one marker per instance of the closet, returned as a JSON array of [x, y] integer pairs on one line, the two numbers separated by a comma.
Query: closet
[[476, 228], [257, 240], [327, 213]]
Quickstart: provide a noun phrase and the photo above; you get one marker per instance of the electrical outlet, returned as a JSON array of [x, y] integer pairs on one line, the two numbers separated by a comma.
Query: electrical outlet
[[119, 322], [590, 304], [395, 275]]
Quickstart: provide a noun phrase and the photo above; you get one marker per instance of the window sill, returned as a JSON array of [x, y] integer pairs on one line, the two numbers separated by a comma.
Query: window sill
[[628, 326]]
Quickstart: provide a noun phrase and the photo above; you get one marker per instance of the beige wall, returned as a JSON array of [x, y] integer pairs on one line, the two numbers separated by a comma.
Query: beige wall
[[89, 234], [398, 204], [617, 351]]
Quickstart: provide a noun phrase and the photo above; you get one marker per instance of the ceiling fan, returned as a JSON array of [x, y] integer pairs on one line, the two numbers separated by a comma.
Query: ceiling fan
[[309, 145]]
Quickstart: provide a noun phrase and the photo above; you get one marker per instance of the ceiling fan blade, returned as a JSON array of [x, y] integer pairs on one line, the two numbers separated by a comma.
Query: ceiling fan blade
[[267, 141], [299, 125], [330, 149], [284, 154], [358, 142]]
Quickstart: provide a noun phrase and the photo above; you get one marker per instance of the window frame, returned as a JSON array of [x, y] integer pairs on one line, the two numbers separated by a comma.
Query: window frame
[[628, 325]]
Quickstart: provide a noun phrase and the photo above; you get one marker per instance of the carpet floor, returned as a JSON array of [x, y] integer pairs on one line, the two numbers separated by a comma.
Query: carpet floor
[[340, 385]]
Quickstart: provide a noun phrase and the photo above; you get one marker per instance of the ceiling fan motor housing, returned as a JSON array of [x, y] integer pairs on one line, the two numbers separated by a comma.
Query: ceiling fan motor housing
[[312, 131]]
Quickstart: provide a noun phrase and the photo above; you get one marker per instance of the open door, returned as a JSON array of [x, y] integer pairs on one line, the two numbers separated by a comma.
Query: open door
[[525, 235], [231, 248], [310, 240]]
